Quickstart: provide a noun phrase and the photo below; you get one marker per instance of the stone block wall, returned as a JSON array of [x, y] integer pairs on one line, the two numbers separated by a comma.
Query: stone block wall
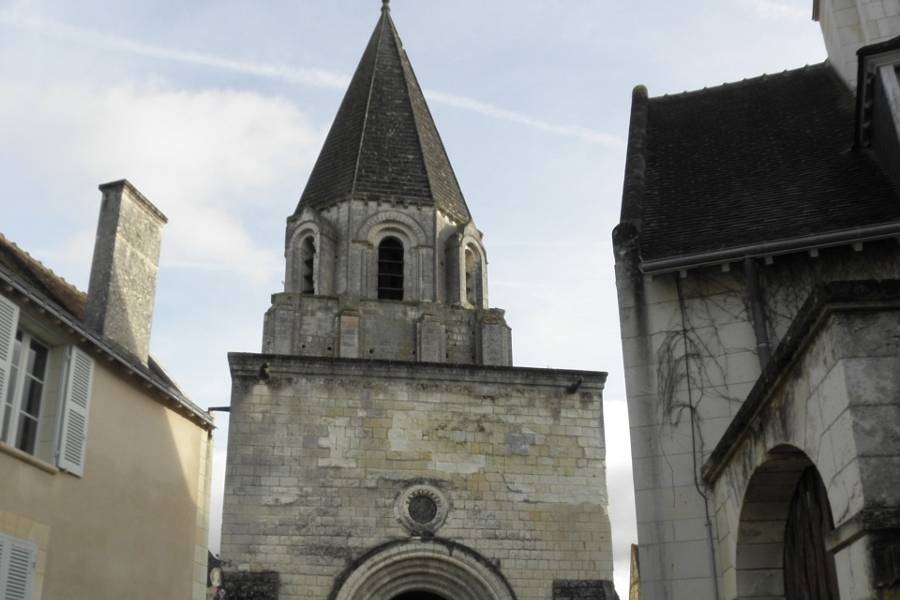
[[834, 406], [679, 407], [848, 25], [407, 331], [322, 451], [347, 235]]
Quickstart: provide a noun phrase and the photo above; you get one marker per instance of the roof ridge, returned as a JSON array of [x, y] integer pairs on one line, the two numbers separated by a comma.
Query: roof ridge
[[440, 139], [362, 137], [746, 81], [401, 51]]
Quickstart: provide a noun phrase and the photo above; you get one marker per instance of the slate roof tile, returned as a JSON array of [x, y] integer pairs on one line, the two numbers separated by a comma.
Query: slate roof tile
[[383, 142], [757, 161]]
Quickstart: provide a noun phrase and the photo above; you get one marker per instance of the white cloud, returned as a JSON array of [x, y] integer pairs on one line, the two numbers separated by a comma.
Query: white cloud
[[312, 77], [781, 9], [200, 156], [296, 75]]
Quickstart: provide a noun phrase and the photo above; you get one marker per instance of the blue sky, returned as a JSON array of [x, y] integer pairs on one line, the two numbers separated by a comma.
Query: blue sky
[[216, 110]]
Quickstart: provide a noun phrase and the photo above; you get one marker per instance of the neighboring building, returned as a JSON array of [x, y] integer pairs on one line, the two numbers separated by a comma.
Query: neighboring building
[[382, 446], [104, 463], [758, 273]]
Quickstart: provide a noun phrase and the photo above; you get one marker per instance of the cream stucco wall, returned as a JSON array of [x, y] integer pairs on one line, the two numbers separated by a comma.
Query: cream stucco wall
[[135, 525]]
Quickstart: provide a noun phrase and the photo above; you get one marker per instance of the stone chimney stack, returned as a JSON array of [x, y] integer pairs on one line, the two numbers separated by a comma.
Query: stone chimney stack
[[123, 273]]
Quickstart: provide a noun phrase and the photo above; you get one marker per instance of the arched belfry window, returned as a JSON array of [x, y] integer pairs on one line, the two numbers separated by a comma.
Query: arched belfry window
[[390, 269], [307, 266], [474, 282]]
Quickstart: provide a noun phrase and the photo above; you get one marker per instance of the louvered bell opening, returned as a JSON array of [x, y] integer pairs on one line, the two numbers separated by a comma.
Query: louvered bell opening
[[390, 269], [308, 256]]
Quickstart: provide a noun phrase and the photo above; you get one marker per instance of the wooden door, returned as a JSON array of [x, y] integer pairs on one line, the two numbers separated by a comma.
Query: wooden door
[[809, 572]]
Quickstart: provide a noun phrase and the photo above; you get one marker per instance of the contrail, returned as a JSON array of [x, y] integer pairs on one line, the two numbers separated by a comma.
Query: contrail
[[312, 77]]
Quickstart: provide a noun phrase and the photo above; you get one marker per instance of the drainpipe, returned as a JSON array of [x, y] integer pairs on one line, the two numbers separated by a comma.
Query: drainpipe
[[757, 312]]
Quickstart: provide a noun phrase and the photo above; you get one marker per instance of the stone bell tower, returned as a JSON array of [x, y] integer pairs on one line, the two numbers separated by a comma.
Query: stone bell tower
[[382, 445], [384, 260]]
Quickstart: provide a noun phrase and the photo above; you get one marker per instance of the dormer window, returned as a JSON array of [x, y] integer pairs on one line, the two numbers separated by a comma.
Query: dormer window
[[390, 269], [307, 266]]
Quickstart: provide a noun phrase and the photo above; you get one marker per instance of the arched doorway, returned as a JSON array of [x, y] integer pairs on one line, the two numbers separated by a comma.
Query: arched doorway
[[422, 569], [785, 519]]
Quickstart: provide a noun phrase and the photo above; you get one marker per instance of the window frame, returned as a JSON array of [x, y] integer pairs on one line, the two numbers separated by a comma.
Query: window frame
[[61, 436], [11, 429], [391, 243]]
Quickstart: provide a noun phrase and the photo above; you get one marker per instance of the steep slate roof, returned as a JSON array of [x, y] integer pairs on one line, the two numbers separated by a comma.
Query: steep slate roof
[[383, 142], [29, 277], [749, 163]]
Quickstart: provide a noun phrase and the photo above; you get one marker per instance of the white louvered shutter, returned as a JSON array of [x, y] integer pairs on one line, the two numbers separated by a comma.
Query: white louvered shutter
[[73, 440], [9, 321], [19, 558], [4, 550]]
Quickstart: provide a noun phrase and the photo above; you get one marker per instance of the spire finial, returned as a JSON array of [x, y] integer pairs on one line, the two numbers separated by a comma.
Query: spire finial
[[385, 5]]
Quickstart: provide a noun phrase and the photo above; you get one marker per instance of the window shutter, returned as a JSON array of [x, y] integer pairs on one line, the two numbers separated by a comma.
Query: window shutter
[[73, 440], [17, 563], [9, 321]]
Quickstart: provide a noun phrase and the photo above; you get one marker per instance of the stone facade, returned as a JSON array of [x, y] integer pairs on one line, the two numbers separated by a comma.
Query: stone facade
[[830, 403], [691, 359], [340, 315], [321, 450], [382, 443]]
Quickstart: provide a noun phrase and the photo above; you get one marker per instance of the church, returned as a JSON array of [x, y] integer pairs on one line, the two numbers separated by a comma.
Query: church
[[758, 277], [382, 445]]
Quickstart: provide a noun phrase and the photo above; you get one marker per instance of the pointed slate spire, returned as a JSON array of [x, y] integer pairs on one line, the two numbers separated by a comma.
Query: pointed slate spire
[[383, 143]]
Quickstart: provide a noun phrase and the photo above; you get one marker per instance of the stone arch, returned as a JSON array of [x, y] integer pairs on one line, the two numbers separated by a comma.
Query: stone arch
[[304, 234], [371, 229], [323, 240], [415, 261], [765, 526], [434, 566], [474, 269]]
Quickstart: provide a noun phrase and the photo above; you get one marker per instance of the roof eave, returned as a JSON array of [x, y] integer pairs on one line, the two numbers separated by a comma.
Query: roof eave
[[123, 361], [794, 245]]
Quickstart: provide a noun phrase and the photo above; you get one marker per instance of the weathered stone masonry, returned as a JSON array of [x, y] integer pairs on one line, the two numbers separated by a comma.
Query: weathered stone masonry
[[382, 444], [322, 449]]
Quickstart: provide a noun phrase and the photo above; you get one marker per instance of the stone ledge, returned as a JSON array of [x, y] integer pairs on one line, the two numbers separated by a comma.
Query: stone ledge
[[250, 366], [28, 458]]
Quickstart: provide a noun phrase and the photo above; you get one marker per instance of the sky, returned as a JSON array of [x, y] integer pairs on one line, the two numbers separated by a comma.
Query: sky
[[216, 111]]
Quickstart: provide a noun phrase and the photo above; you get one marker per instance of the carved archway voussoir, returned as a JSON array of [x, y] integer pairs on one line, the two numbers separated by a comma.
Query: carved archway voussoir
[[391, 219], [436, 566]]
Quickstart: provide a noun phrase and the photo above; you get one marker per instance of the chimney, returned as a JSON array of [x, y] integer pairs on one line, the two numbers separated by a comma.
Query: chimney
[[123, 273]]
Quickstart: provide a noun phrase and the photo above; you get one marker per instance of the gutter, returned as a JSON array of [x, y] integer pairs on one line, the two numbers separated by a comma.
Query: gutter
[[125, 363], [787, 246]]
